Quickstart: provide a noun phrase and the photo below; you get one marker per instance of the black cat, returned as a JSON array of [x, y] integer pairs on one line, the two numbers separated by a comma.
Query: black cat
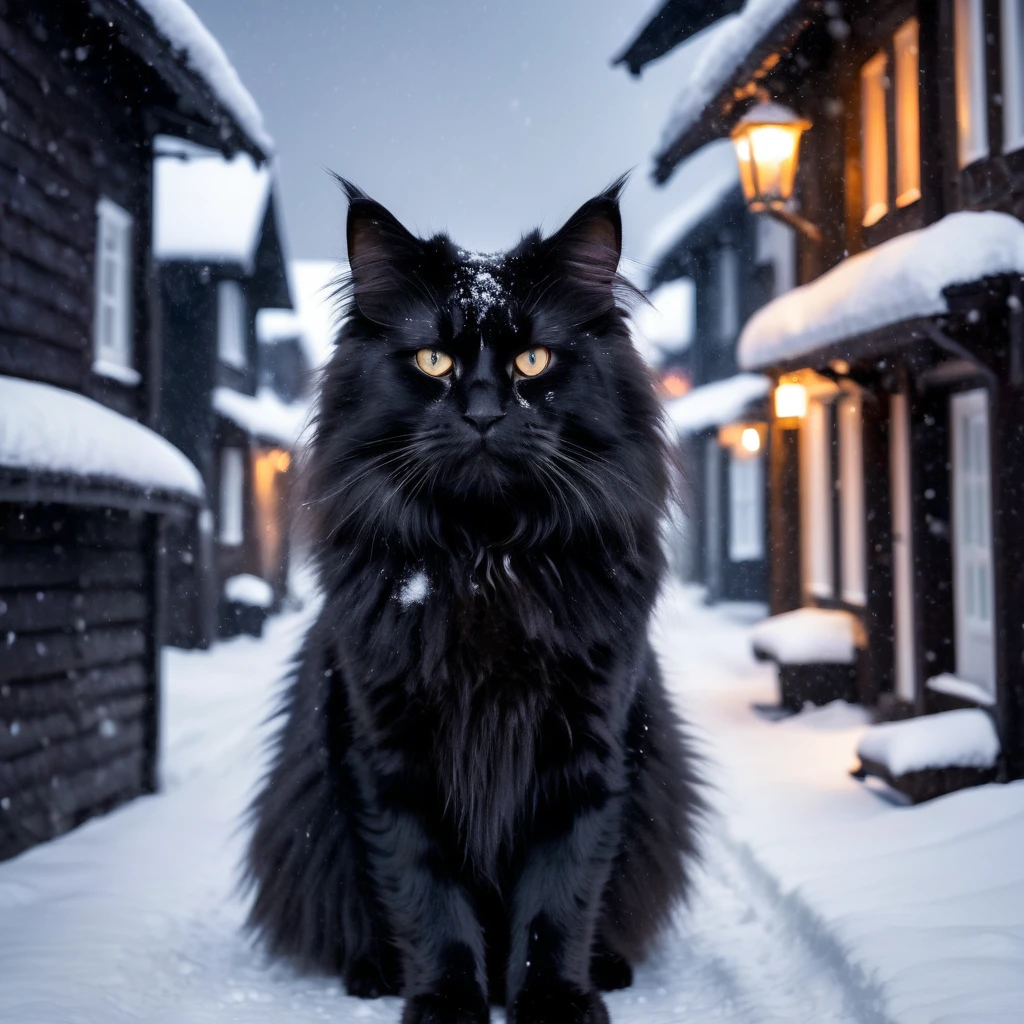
[[480, 793]]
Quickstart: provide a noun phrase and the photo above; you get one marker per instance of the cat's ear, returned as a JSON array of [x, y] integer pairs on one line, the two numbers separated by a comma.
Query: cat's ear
[[589, 244], [380, 253]]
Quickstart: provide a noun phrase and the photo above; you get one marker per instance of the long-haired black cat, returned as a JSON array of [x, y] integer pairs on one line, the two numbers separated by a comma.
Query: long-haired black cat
[[480, 793]]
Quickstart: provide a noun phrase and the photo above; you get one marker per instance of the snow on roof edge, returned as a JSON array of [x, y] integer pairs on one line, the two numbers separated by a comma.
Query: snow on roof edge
[[49, 429], [901, 279], [263, 415], [715, 404], [205, 56]]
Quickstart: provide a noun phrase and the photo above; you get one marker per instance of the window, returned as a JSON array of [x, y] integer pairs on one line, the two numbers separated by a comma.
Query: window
[[728, 293], [874, 138], [232, 324], [816, 500], [776, 246], [908, 117], [851, 500], [232, 495], [971, 113], [112, 326], [1013, 74], [746, 507]]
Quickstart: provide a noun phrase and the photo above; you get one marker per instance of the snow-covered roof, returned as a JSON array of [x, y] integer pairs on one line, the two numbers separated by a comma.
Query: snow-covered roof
[[249, 590], [901, 279], [50, 430], [264, 415], [313, 291], [954, 686], [715, 404], [207, 208], [665, 322], [809, 636], [953, 739], [273, 325], [178, 23], [706, 179], [722, 51]]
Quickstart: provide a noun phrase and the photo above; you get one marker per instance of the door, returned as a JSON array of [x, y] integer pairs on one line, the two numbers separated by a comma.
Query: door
[[905, 656], [713, 517], [972, 546]]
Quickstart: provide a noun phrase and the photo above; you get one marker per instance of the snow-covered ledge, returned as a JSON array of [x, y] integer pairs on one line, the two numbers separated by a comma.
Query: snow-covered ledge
[[809, 636], [902, 279], [252, 591], [964, 689], [951, 739], [48, 430], [264, 415], [715, 404]]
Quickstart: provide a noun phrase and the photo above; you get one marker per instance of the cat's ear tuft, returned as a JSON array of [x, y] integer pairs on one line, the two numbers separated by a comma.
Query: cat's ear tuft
[[589, 244], [380, 250]]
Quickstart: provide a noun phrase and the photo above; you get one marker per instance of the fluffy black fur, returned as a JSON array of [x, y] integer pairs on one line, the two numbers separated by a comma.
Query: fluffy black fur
[[480, 793]]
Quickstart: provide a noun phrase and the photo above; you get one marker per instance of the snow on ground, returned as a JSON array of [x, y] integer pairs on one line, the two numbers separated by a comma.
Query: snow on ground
[[818, 901]]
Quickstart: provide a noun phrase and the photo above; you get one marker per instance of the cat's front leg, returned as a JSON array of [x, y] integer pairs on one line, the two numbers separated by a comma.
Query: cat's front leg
[[435, 925], [557, 905]]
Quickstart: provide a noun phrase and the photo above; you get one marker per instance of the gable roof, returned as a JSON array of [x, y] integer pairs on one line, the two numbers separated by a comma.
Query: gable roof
[[207, 208], [672, 23], [738, 51]]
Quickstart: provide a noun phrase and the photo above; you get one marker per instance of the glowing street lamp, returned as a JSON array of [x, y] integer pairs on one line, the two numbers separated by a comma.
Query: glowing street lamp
[[767, 143], [750, 439], [790, 402]]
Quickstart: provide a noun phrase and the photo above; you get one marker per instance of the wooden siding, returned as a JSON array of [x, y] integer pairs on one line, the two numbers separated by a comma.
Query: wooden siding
[[78, 680], [65, 141]]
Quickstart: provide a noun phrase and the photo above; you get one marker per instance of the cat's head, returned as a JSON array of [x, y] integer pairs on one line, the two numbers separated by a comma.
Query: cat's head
[[489, 393]]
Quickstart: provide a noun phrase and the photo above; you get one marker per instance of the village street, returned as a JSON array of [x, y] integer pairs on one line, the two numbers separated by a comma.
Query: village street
[[136, 916]]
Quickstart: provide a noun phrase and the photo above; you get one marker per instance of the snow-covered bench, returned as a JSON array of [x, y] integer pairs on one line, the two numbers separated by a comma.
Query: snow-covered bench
[[247, 601], [929, 756], [817, 652]]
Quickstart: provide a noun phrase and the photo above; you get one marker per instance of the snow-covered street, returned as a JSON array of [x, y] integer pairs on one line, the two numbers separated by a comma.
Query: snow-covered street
[[136, 916]]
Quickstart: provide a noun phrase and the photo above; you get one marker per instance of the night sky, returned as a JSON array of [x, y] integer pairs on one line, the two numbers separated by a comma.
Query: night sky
[[483, 118]]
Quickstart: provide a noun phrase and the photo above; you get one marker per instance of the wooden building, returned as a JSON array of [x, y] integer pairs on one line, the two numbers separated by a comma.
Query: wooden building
[[87, 484], [897, 476], [234, 406]]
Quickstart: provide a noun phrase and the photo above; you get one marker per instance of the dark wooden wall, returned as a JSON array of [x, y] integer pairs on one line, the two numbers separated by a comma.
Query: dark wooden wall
[[65, 141], [78, 666]]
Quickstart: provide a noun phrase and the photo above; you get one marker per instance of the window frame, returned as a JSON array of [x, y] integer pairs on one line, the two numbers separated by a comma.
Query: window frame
[[907, 130], [232, 325], [231, 497], [114, 354], [970, 82], [874, 144], [746, 506], [1011, 13], [852, 510], [816, 499], [727, 264]]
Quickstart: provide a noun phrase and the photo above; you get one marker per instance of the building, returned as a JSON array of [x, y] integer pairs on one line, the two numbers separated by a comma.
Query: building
[[233, 405], [88, 487], [898, 365]]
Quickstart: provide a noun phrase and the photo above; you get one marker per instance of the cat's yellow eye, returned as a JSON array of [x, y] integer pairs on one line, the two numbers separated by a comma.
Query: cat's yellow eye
[[533, 361], [433, 362]]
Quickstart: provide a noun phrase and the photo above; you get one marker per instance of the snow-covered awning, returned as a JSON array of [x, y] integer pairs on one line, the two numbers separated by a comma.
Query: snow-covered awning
[[809, 636], [274, 325], [263, 416], [50, 432], [902, 279], [952, 739], [706, 179], [179, 24], [716, 404], [207, 208], [719, 55], [313, 287], [665, 322]]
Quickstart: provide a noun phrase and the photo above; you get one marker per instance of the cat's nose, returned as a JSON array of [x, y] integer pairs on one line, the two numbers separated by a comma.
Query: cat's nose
[[483, 410]]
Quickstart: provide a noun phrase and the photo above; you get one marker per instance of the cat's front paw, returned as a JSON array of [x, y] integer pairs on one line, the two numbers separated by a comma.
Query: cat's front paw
[[558, 1004], [438, 1008]]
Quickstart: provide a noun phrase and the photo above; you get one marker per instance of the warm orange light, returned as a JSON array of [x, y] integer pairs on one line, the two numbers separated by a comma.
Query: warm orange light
[[908, 118], [751, 439], [675, 384], [790, 400], [767, 141], [874, 144], [279, 459]]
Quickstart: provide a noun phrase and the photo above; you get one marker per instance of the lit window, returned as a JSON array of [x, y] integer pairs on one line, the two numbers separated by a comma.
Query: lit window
[[1013, 74], [232, 496], [908, 122], [851, 500], [231, 324], [728, 294], [874, 138], [816, 490], [971, 113], [112, 317], [746, 506]]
